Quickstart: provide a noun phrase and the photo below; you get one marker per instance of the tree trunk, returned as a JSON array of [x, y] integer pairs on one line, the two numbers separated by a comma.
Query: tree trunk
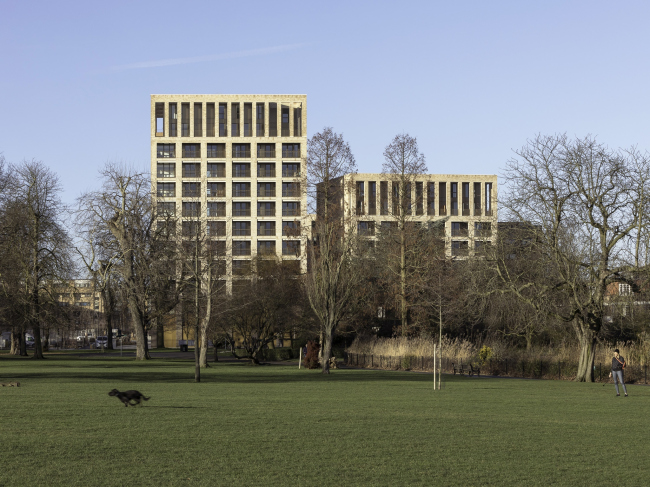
[[141, 349], [16, 342], [203, 359], [587, 340], [402, 282], [326, 350], [109, 330]]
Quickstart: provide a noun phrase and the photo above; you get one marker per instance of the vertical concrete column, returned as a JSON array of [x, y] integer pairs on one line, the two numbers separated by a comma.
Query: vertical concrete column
[[290, 104]]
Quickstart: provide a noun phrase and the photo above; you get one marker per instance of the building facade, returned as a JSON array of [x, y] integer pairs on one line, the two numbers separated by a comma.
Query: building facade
[[462, 207], [234, 166]]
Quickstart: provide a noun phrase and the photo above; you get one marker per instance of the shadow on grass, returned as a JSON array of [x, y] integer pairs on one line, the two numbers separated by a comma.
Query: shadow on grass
[[114, 369]]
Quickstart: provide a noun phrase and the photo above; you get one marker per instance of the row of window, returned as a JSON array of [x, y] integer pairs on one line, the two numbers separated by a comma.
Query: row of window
[[460, 248], [458, 229], [218, 209], [242, 247], [218, 170], [403, 199], [241, 228], [218, 190], [241, 124], [218, 151]]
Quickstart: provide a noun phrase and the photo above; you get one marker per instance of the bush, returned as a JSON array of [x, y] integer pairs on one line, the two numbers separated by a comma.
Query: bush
[[407, 362], [311, 357], [485, 354]]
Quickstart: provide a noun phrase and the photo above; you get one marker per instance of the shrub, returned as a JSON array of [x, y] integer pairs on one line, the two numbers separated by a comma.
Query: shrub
[[279, 354], [485, 354], [407, 362], [311, 357]]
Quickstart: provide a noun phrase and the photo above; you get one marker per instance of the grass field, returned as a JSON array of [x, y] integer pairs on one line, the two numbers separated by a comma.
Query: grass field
[[277, 425]]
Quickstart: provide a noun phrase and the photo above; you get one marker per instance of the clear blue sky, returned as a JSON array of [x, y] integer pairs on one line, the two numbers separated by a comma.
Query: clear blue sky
[[470, 79]]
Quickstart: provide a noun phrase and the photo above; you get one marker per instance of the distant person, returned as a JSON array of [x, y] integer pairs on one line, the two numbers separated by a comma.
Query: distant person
[[618, 364]]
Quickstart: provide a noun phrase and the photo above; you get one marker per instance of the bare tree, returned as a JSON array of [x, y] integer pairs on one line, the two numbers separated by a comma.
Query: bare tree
[[143, 246], [403, 163], [36, 248], [588, 204], [332, 276]]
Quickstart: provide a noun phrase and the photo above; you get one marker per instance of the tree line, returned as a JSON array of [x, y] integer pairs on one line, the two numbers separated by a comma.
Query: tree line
[[574, 225]]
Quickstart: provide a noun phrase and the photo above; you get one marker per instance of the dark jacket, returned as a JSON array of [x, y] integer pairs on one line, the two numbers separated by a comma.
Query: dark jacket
[[618, 364]]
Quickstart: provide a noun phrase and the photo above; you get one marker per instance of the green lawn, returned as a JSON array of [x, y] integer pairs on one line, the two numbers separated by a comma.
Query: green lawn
[[277, 425]]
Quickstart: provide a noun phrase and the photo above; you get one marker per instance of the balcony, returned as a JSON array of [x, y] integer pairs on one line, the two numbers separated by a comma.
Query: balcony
[[295, 154], [240, 212], [290, 173], [219, 173], [265, 212], [191, 154], [290, 193], [219, 193], [241, 173], [266, 173], [166, 193], [266, 232], [459, 232], [286, 133], [266, 154], [241, 154], [266, 193], [165, 154], [290, 212], [241, 193], [216, 154]]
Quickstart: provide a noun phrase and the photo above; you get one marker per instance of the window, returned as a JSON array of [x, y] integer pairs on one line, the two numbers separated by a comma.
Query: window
[[290, 170], [266, 229], [209, 119], [216, 229], [291, 247], [167, 170], [265, 151], [442, 199], [465, 199], [192, 190], [291, 190], [216, 209], [488, 199], [366, 229], [166, 151], [241, 150], [273, 119], [216, 151], [192, 170], [285, 121], [234, 115], [482, 229], [166, 210], [216, 190], [216, 170], [241, 229], [241, 267], [297, 122], [259, 120], [266, 247], [248, 119], [265, 190], [265, 209], [160, 119], [459, 248], [166, 228], [198, 120], [431, 198], [166, 190], [266, 170], [241, 247], [223, 120], [291, 228], [291, 150], [241, 170], [481, 247], [173, 119], [240, 190], [624, 289], [191, 208], [290, 208], [218, 248], [459, 229], [360, 197], [241, 209], [477, 199], [191, 228], [185, 119], [454, 199], [419, 197], [383, 186], [192, 150], [372, 198]]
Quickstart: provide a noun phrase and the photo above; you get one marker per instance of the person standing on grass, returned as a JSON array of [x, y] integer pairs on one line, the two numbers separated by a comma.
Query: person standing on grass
[[618, 364]]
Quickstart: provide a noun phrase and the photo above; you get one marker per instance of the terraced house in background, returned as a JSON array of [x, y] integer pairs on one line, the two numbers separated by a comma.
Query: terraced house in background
[[461, 207]]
